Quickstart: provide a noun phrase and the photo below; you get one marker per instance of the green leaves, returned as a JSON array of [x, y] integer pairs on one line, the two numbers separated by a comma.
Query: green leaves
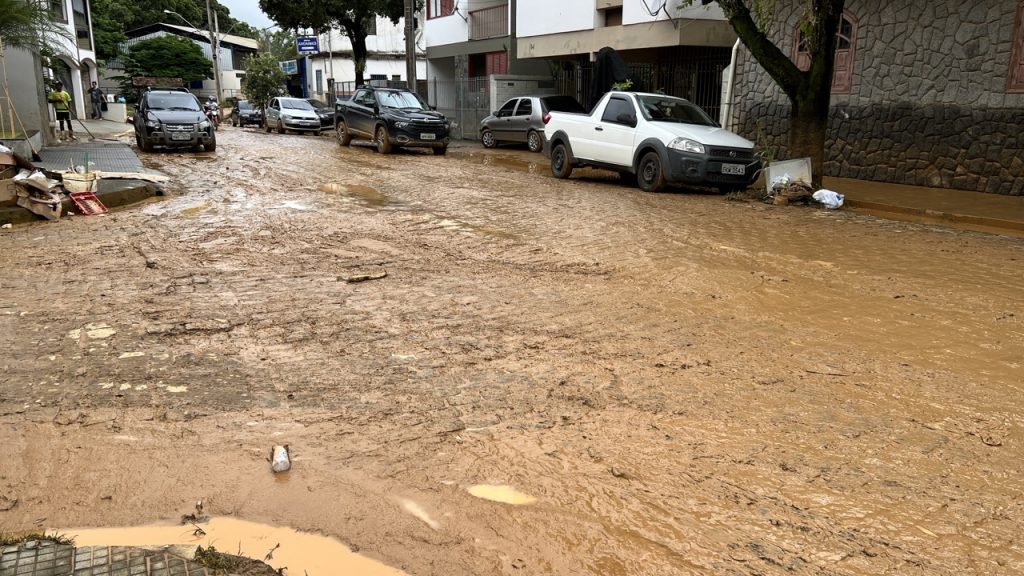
[[28, 25], [170, 57], [263, 80]]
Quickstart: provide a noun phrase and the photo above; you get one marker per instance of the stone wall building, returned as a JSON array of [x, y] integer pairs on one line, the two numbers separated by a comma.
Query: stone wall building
[[927, 93]]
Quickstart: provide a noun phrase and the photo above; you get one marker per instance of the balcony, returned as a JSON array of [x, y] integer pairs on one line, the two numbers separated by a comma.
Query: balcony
[[490, 22]]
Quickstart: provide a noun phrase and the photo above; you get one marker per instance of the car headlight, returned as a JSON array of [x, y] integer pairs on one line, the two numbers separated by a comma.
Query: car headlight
[[401, 124], [686, 145], [152, 123], [286, 116], [204, 124]]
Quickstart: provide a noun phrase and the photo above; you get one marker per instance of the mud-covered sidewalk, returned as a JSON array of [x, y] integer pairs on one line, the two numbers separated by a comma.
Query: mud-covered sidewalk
[[687, 385]]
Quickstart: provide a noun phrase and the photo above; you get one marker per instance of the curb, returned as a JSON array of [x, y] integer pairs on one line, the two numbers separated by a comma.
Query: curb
[[928, 216]]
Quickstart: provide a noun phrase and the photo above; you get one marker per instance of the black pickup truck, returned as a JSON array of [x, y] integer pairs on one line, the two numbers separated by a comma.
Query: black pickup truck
[[391, 118]]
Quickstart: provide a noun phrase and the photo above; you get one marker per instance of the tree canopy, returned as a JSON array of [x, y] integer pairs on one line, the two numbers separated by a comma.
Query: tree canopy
[[278, 43], [263, 80], [112, 18], [351, 16], [809, 91], [168, 57]]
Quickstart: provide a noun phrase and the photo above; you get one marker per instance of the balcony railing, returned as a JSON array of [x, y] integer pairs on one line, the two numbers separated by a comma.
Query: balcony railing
[[491, 22]]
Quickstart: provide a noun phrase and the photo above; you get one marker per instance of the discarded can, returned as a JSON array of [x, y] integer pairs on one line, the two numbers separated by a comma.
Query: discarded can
[[280, 461]]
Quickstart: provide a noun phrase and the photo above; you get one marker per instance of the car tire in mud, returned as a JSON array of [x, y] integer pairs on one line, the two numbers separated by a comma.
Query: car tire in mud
[[280, 127], [534, 141], [441, 151], [382, 140], [487, 139], [234, 122], [650, 175], [212, 146], [344, 138], [266, 125], [561, 166]]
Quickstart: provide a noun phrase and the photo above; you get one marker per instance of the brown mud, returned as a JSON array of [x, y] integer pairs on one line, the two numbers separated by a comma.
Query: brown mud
[[686, 385]]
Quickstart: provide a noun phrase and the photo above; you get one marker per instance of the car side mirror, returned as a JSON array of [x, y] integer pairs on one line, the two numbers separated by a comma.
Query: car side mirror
[[432, 107], [627, 119]]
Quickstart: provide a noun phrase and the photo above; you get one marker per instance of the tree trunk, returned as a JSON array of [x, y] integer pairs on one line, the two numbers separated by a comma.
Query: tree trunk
[[357, 34], [808, 122]]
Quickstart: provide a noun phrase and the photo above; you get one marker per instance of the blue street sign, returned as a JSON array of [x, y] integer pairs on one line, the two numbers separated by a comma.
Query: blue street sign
[[289, 66], [307, 44]]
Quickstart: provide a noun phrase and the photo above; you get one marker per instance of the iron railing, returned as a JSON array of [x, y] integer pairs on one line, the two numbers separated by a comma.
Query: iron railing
[[490, 22]]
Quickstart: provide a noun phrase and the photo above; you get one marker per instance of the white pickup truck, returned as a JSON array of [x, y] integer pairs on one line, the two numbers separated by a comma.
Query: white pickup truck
[[659, 139]]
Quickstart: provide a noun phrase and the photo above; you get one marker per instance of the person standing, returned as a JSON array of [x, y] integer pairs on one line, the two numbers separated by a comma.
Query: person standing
[[96, 96], [61, 101]]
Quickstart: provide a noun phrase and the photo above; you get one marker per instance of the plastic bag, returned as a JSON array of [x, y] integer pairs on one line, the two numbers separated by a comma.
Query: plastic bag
[[782, 181], [830, 199]]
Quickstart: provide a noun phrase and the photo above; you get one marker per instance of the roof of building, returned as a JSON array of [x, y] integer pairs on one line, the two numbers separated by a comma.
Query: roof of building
[[240, 41]]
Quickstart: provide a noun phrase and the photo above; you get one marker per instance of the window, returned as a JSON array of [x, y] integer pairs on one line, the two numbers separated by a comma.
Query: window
[[615, 107], [846, 42], [319, 81], [497, 63], [613, 16], [440, 8], [57, 10], [507, 108], [1015, 80], [364, 98], [525, 107]]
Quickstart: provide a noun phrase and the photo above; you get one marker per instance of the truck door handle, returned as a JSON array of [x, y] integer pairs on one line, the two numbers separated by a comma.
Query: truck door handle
[[598, 128]]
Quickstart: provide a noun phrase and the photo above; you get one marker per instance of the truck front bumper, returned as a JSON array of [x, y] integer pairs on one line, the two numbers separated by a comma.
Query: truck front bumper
[[701, 169]]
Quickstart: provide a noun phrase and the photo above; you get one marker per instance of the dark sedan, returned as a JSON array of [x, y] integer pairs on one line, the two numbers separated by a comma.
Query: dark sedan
[[325, 112], [245, 114]]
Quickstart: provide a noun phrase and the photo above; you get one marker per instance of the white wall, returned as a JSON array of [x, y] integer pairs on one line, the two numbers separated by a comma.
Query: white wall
[[345, 70], [447, 30], [390, 38], [540, 17], [633, 11]]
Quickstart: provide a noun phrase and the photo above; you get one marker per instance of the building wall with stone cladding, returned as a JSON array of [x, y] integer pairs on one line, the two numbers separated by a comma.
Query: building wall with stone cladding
[[929, 104]]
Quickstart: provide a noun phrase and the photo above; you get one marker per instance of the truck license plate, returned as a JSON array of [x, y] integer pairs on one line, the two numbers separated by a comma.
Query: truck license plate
[[182, 136], [736, 169], [425, 136]]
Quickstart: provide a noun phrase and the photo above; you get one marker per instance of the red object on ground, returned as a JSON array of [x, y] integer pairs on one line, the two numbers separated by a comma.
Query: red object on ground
[[88, 204]]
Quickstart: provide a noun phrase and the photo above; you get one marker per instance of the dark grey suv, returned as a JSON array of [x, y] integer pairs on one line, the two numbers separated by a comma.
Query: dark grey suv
[[172, 117]]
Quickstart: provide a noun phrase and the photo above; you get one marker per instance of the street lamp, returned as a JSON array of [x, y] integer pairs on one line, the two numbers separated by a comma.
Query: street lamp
[[214, 43]]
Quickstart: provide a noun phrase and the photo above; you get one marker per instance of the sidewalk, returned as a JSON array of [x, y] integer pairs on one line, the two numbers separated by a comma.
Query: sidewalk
[[992, 213]]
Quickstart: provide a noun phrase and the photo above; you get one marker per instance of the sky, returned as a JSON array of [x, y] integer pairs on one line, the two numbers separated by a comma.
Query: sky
[[248, 11]]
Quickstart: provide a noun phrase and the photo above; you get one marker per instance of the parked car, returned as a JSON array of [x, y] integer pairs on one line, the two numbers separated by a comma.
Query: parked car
[[245, 114], [659, 139], [391, 118], [522, 120], [172, 117], [286, 114], [325, 112]]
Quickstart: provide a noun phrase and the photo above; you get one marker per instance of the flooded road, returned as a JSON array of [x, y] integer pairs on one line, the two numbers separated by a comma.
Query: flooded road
[[553, 377]]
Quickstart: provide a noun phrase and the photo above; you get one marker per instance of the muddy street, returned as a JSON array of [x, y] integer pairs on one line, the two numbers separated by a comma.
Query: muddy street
[[671, 383]]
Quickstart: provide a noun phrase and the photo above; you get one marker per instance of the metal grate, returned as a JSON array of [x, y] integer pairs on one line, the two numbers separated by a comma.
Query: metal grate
[[490, 22]]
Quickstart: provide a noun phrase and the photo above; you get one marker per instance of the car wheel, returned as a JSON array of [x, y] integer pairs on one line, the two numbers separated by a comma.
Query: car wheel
[[534, 141], [383, 142], [487, 139], [212, 146], [561, 166], [234, 122], [344, 138], [138, 140], [280, 127], [440, 151], [266, 124], [650, 176]]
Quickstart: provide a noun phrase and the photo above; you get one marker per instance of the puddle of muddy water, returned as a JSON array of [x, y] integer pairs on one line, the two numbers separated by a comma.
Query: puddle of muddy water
[[300, 552], [365, 194], [503, 494]]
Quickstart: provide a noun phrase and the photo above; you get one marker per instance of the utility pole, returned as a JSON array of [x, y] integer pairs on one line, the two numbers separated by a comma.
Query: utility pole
[[410, 44], [211, 21]]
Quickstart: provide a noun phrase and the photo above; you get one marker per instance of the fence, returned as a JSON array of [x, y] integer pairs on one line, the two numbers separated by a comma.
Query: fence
[[489, 22], [464, 102], [688, 72]]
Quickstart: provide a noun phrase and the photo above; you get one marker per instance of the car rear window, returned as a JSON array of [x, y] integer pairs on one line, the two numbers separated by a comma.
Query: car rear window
[[562, 104]]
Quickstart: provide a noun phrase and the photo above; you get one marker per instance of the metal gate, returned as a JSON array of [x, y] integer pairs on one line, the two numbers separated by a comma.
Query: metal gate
[[694, 73], [464, 102]]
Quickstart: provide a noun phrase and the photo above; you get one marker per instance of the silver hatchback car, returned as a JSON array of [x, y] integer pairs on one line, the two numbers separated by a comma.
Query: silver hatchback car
[[522, 120]]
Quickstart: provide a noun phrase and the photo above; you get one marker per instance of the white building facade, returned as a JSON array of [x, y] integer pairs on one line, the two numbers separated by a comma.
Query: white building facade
[[385, 60]]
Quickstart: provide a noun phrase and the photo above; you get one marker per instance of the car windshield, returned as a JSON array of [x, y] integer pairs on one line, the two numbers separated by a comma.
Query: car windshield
[[316, 103], [179, 101], [563, 104], [295, 104], [401, 100], [244, 105], [670, 109]]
